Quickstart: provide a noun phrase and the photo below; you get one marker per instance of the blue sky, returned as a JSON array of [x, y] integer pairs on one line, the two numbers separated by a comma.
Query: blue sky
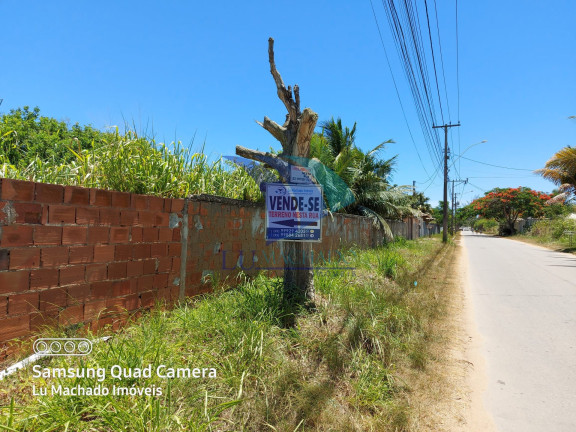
[[185, 69]]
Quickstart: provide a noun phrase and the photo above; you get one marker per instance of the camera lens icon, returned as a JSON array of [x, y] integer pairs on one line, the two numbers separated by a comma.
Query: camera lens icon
[[84, 347], [69, 347], [55, 347], [41, 347], [62, 346]]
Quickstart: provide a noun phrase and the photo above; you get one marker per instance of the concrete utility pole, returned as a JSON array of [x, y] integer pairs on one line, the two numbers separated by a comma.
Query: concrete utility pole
[[453, 225], [454, 213], [445, 215]]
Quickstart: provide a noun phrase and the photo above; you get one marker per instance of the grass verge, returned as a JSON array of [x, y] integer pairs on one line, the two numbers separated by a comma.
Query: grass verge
[[553, 233], [351, 365], [562, 244]]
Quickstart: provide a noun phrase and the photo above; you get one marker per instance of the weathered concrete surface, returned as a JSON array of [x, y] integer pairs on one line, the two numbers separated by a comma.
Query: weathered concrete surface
[[524, 300]]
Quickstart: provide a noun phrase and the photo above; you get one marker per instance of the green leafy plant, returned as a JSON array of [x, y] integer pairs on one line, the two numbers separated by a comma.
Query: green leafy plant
[[366, 174], [42, 149], [507, 205], [337, 367]]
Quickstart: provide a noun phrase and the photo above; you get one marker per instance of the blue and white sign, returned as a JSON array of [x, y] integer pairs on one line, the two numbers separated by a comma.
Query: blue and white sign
[[300, 175], [294, 212]]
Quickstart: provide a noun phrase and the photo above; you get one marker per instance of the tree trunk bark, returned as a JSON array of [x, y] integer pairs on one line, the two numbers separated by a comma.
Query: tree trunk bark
[[299, 274], [294, 135]]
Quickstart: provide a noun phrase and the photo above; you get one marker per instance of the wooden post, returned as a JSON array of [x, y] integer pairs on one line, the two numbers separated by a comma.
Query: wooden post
[[294, 135]]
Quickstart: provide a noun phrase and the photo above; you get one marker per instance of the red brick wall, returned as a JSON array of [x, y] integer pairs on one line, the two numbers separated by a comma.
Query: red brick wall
[[72, 255], [227, 236]]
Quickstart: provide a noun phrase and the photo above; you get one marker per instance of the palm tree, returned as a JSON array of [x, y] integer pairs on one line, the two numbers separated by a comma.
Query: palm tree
[[366, 175], [561, 170]]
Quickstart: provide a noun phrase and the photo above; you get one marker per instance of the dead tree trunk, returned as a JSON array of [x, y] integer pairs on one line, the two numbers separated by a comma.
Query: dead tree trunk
[[294, 135]]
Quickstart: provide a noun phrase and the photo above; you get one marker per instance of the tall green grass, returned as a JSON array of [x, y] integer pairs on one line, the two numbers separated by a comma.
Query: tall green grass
[[131, 163], [552, 233], [338, 368]]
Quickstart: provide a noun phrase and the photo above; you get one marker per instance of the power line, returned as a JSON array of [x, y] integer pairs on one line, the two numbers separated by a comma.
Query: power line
[[457, 62], [404, 22], [432, 182], [496, 166], [432, 176], [501, 177], [477, 187], [396, 87], [408, 44], [434, 61], [442, 60]]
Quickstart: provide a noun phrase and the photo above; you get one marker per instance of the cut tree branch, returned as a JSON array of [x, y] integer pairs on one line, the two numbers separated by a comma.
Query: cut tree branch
[[308, 121], [269, 159], [297, 97], [285, 94], [277, 131]]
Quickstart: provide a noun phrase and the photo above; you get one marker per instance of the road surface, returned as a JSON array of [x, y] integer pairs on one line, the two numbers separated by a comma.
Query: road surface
[[524, 302]]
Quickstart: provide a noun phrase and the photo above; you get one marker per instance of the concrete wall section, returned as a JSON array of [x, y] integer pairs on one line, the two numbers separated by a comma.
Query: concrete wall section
[[226, 237], [71, 255]]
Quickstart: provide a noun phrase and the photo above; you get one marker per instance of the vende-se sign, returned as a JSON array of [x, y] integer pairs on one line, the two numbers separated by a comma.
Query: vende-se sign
[[293, 212]]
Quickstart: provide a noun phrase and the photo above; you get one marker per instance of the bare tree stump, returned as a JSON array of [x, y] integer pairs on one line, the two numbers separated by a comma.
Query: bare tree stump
[[294, 135]]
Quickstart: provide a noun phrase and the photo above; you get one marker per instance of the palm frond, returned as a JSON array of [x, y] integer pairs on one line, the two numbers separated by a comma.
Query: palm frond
[[378, 221]]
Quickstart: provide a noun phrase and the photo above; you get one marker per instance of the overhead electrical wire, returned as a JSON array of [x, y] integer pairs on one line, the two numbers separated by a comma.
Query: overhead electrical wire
[[501, 177], [477, 187], [409, 47], [434, 60], [496, 166], [442, 59], [458, 79], [432, 181], [396, 88], [457, 62], [404, 20], [432, 176]]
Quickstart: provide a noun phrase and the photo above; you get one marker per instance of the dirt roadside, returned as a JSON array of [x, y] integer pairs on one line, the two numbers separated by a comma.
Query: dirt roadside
[[448, 397], [479, 420]]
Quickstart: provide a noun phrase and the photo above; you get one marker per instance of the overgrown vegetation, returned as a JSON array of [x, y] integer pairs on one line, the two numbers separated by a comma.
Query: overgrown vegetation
[[342, 367], [488, 226], [42, 149], [367, 175], [553, 233]]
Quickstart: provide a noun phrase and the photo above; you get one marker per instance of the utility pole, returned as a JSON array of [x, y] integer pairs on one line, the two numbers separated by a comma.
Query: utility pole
[[453, 227], [445, 215], [454, 213]]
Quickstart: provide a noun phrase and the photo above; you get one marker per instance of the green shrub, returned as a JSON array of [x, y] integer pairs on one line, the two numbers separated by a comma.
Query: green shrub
[[540, 228], [389, 263], [559, 226], [123, 162], [486, 225]]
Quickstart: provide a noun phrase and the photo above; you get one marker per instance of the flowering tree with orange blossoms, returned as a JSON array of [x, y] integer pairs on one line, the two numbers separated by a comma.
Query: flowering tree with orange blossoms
[[507, 205]]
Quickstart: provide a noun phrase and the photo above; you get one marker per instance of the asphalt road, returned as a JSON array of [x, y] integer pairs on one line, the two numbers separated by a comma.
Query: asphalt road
[[524, 302]]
